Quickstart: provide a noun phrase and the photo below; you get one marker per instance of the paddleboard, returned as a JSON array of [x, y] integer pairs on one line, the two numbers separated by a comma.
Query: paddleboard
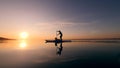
[[58, 41]]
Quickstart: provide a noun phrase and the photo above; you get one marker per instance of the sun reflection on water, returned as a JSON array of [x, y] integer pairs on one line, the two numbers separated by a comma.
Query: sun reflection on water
[[23, 44]]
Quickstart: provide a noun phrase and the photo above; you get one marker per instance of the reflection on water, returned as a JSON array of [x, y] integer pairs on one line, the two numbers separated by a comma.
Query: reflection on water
[[3, 41], [59, 48], [23, 43], [37, 54]]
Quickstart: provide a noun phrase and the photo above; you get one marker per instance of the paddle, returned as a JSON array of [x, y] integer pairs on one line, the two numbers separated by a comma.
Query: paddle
[[56, 34]]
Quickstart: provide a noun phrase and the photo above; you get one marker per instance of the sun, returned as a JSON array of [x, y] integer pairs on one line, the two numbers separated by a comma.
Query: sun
[[24, 35]]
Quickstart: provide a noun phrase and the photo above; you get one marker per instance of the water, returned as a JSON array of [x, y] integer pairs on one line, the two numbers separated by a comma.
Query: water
[[38, 54]]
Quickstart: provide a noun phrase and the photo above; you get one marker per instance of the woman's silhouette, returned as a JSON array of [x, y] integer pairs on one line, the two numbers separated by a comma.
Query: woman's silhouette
[[60, 33]]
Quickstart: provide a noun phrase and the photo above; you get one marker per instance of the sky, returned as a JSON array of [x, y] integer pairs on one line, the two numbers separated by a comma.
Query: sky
[[75, 18]]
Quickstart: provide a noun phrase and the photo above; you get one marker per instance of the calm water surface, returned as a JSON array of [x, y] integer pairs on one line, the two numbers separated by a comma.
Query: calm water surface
[[38, 54]]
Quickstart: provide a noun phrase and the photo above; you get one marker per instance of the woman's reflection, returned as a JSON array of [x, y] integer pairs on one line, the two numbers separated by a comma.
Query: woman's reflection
[[59, 48]]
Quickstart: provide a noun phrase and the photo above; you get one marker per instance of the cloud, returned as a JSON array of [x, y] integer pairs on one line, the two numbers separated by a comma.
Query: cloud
[[56, 24]]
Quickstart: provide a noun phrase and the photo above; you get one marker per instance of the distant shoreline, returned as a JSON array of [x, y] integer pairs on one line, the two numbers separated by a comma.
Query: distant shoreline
[[98, 39], [2, 38], [103, 40]]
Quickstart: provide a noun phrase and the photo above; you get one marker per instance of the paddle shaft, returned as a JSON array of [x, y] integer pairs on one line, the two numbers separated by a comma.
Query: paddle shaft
[[56, 34]]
